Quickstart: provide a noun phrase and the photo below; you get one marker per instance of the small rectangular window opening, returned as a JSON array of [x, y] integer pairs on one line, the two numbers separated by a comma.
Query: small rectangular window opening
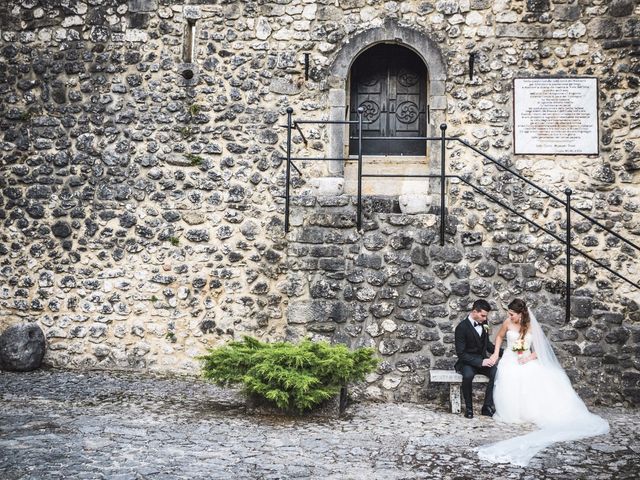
[[189, 48]]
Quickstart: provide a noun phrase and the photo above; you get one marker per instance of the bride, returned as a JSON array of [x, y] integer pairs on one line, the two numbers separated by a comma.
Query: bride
[[532, 387]]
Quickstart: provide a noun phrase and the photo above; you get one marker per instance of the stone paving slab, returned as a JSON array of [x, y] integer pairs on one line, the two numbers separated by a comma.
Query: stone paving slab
[[97, 425]]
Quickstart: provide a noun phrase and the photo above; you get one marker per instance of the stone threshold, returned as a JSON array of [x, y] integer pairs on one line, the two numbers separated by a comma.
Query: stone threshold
[[387, 165]]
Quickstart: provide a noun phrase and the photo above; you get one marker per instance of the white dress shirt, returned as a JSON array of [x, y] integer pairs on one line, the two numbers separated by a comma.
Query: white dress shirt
[[477, 326]]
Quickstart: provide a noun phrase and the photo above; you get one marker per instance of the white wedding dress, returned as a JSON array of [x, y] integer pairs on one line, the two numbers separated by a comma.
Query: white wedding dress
[[537, 392]]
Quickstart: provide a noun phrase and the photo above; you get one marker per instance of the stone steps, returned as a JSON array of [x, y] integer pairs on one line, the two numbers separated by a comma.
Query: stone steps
[[388, 165]]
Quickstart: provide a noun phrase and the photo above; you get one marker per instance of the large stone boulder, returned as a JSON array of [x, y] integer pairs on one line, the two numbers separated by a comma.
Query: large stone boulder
[[22, 347]]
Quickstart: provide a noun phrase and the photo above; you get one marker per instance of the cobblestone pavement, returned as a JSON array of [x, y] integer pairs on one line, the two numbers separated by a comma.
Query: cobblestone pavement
[[58, 424]]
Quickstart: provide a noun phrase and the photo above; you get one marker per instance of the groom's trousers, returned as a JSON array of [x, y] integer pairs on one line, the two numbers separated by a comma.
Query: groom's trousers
[[468, 372]]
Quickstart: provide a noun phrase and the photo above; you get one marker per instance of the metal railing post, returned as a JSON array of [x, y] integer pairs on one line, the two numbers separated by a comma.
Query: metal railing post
[[568, 193], [443, 129], [288, 174], [359, 214]]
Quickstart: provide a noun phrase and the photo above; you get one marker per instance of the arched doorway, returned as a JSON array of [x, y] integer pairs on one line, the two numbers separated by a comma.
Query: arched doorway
[[338, 83], [389, 82]]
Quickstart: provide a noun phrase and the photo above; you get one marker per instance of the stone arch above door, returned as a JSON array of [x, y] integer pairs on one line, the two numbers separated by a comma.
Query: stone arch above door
[[337, 80]]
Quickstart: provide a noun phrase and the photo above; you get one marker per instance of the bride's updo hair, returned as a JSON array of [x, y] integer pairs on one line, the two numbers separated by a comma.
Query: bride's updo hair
[[519, 306]]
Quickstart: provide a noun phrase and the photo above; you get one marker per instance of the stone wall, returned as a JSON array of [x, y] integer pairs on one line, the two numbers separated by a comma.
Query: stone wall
[[394, 288], [142, 206]]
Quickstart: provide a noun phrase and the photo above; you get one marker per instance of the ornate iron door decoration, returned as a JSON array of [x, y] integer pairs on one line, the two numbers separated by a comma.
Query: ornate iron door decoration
[[389, 83]]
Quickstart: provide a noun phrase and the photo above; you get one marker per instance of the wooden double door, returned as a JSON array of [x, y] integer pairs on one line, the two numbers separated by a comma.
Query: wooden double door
[[389, 82]]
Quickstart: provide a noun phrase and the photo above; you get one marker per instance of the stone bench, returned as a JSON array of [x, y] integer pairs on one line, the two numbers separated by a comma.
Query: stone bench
[[454, 380]]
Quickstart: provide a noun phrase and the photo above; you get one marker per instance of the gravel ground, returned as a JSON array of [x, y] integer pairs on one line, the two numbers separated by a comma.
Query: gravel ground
[[92, 425]]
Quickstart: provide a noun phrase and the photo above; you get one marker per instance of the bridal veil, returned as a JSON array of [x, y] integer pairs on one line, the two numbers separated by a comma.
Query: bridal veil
[[554, 407]]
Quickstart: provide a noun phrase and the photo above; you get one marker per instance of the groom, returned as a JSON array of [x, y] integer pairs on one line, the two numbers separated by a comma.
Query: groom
[[473, 348]]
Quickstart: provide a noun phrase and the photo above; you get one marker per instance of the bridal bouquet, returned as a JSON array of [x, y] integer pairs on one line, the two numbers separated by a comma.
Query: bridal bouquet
[[519, 347]]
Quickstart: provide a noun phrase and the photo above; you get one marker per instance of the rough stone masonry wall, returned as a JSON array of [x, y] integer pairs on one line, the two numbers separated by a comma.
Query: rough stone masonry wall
[[394, 288], [142, 211]]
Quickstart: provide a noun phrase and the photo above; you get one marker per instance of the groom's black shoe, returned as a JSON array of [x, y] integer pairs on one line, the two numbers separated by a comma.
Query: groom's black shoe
[[468, 413], [488, 411]]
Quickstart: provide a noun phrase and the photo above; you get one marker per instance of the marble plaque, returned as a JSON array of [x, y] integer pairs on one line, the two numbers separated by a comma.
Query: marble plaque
[[555, 116]]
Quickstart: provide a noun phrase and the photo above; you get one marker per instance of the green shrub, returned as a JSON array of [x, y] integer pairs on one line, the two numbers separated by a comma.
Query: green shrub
[[293, 377]]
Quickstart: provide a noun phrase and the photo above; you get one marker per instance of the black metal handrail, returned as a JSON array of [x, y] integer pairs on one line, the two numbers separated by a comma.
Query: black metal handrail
[[398, 138], [443, 177], [296, 124], [545, 230], [539, 188]]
